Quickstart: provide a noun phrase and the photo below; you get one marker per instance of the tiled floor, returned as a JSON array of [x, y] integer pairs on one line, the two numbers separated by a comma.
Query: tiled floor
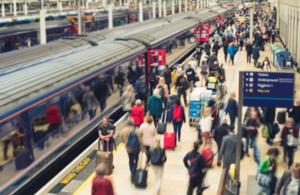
[[175, 177]]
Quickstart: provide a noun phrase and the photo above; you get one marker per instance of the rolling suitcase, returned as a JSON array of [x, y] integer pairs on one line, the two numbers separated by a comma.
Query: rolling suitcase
[[140, 176], [262, 48], [258, 65], [207, 155], [162, 126], [169, 140], [106, 158], [281, 117]]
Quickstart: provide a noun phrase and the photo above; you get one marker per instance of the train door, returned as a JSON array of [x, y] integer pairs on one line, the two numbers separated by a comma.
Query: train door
[[6, 44], [50, 35]]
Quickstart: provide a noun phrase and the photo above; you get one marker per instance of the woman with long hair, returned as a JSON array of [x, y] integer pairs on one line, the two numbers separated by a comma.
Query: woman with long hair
[[205, 125], [148, 132], [128, 99], [163, 86], [204, 72], [231, 108], [266, 64]]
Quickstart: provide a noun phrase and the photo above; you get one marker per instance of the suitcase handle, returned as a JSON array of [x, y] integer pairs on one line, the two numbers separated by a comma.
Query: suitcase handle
[[99, 149]]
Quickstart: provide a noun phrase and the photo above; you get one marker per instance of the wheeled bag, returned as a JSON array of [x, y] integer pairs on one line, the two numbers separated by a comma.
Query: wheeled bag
[[140, 176], [281, 117], [169, 140], [208, 157], [162, 126], [106, 158]]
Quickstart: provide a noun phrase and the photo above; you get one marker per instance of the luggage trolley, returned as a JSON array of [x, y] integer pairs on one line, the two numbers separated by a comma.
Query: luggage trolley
[[196, 106]]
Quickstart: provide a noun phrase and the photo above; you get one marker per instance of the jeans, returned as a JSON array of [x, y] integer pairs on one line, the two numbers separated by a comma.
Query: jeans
[[102, 104], [255, 62], [225, 54], [165, 101], [267, 190], [91, 114], [177, 128], [242, 44], [155, 119], [288, 150], [270, 127], [232, 59], [232, 119], [248, 57], [193, 184], [253, 141], [182, 91], [133, 160], [110, 146], [152, 86], [127, 115], [158, 173]]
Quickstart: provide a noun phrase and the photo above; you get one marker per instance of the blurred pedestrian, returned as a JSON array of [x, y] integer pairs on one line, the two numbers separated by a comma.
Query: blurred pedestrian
[[220, 132], [148, 132], [137, 113], [289, 182], [155, 106], [205, 125], [232, 108], [101, 185], [128, 100]]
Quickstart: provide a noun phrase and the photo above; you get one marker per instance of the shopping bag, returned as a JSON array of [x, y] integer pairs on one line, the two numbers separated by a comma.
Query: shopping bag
[[292, 141], [265, 132], [264, 179]]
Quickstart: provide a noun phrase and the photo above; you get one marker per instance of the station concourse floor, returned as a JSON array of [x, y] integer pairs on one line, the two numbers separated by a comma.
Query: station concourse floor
[[175, 176]]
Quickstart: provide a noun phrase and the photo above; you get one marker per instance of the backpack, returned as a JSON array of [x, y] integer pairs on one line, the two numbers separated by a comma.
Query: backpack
[[177, 113], [156, 156], [161, 91], [194, 170], [182, 82], [142, 88], [133, 140]]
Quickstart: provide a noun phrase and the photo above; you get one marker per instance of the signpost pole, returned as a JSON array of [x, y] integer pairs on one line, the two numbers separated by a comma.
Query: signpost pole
[[239, 131], [251, 25]]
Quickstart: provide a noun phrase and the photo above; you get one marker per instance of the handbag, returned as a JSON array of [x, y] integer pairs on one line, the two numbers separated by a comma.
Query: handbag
[[265, 132], [264, 179], [197, 78], [292, 141]]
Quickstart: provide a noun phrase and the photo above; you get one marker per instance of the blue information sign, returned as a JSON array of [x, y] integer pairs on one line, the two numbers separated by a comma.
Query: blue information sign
[[268, 89]]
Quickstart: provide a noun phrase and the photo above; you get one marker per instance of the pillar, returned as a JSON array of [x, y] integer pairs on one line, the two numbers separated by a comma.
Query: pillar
[[165, 8], [3, 8], [197, 5], [179, 6], [15, 7], [141, 11], [173, 7], [43, 27], [185, 7], [25, 8], [153, 9], [201, 3], [159, 8], [110, 16]]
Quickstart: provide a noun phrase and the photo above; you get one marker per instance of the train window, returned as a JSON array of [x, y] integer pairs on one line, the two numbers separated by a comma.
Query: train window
[[18, 42], [12, 140], [73, 109], [5, 44], [48, 121], [50, 35], [60, 33]]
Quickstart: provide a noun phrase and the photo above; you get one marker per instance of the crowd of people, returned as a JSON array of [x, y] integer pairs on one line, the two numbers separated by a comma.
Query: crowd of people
[[142, 122]]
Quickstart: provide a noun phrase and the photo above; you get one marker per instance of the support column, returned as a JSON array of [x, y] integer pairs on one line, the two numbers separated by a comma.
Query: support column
[[165, 8], [43, 27], [3, 8], [201, 3], [153, 9], [110, 16], [179, 6], [251, 25], [185, 7], [173, 7], [25, 8], [197, 5], [79, 20], [60, 6], [159, 8], [15, 7], [141, 11]]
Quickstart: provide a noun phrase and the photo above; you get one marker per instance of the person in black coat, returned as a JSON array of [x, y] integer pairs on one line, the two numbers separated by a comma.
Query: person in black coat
[[220, 132], [216, 48], [249, 48], [259, 40], [225, 47], [273, 35], [211, 59], [168, 76]]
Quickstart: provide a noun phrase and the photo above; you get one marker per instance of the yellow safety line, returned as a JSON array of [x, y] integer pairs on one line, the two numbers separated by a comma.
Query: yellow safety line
[[92, 175]]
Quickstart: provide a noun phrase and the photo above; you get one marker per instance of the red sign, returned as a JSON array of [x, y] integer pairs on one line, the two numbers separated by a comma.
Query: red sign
[[204, 33], [197, 33]]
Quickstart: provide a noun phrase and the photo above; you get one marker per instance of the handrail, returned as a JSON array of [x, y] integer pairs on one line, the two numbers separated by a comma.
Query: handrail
[[228, 185]]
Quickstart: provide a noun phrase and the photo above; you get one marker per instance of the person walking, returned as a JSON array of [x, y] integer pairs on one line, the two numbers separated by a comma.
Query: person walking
[[207, 47], [220, 132], [225, 49], [177, 117], [242, 39], [88, 101], [259, 40], [168, 77], [295, 113], [216, 37], [127, 100], [163, 91], [133, 153], [228, 149], [191, 74], [222, 77], [205, 125], [273, 35], [100, 184], [182, 86], [248, 113], [195, 163], [266, 65], [137, 113], [204, 72], [232, 50], [268, 165], [289, 182], [148, 132], [157, 157], [232, 108], [216, 47], [153, 78], [211, 59], [249, 48], [155, 106], [141, 90], [268, 120], [214, 114], [252, 124], [255, 54], [288, 129]]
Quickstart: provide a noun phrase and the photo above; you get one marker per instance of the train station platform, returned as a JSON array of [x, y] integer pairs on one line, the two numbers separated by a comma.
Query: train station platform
[[175, 177]]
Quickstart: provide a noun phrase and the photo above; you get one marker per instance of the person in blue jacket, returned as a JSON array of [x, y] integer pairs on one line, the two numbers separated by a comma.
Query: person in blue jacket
[[232, 108], [155, 106], [177, 120], [268, 120], [190, 73], [231, 51], [207, 47]]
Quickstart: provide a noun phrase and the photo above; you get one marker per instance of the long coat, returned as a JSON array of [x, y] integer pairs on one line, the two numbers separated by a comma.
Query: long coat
[[255, 53]]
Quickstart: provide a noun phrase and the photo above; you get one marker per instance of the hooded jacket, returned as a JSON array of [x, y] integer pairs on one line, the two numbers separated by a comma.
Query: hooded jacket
[[155, 106]]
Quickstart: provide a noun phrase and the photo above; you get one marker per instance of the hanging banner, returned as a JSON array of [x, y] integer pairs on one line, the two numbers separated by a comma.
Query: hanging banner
[[204, 33], [197, 33]]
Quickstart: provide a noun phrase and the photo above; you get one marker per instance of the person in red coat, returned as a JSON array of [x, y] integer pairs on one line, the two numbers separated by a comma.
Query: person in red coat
[[288, 129], [101, 185], [137, 113]]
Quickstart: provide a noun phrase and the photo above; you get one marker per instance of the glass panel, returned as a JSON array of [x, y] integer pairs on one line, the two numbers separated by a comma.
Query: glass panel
[[50, 35]]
